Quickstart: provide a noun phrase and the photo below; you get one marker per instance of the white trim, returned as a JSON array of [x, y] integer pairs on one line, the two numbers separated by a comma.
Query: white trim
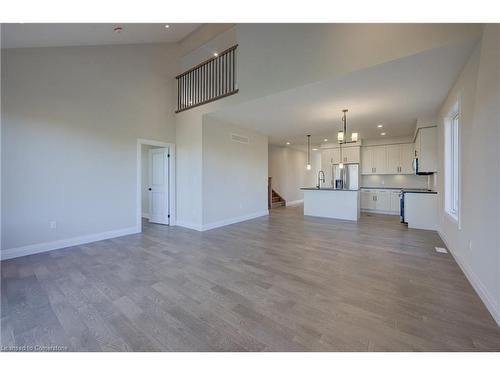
[[68, 242], [234, 220], [145, 215], [222, 223], [476, 283], [189, 225], [295, 203], [171, 180], [394, 213]]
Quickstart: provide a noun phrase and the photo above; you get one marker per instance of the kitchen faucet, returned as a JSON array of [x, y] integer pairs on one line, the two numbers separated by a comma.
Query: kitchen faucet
[[320, 180]]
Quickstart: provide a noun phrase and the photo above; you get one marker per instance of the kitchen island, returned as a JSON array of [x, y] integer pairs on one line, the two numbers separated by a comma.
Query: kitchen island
[[332, 203]]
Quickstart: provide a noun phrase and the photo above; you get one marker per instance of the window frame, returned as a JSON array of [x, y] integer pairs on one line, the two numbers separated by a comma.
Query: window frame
[[452, 163]]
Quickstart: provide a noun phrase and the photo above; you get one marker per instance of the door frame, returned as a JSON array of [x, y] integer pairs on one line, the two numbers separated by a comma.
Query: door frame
[[171, 180]]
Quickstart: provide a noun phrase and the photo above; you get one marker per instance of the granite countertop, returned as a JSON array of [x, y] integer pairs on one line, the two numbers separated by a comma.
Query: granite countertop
[[327, 189], [404, 190], [381, 188], [419, 191]]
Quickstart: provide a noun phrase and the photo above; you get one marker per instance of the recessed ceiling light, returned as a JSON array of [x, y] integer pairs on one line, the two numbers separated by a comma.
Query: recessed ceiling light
[[382, 133], [315, 149], [167, 26], [325, 140], [380, 126], [288, 143]]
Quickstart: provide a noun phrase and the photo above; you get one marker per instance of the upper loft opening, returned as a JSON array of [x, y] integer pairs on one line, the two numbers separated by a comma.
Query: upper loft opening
[[210, 80]]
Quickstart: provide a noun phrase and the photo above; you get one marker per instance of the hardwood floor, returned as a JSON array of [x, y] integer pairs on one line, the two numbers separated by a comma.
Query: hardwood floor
[[277, 283]]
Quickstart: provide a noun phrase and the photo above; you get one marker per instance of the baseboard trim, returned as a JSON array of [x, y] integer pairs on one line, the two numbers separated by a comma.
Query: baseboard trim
[[234, 220], [188, 225], [380, 212], [476, 283], [295, 203], [145, 215], [68, 242]]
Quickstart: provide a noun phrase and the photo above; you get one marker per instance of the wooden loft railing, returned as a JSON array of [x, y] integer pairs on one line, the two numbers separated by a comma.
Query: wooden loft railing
[[211, 80]]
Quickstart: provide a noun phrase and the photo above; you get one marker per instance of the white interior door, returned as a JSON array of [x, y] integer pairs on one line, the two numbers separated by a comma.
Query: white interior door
[[158, 186]]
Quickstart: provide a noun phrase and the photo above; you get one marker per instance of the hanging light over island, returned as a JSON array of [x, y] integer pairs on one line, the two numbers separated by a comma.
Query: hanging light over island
[[308, 166], [342, 134]]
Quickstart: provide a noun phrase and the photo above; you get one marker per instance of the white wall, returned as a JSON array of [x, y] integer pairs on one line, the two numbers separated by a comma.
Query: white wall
[[475, 242], [287, 167], [70, 120], [306, 54], [234, 174], [396, 181]]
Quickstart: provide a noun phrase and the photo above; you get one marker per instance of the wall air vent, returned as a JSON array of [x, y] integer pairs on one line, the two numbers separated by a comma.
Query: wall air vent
[[239, 138]]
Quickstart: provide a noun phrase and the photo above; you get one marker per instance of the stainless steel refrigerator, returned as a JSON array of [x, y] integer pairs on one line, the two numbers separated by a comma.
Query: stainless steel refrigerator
[[346, 178]]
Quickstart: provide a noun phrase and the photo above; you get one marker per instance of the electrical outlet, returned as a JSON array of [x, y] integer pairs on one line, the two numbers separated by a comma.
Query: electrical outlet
[[53, 224], [470, 245]]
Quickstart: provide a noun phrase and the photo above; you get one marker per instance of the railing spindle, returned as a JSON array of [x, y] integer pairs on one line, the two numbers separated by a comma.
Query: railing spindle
[[208, 81]]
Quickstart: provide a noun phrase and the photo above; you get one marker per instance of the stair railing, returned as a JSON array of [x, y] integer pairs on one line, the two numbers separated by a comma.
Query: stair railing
[[210, 80]]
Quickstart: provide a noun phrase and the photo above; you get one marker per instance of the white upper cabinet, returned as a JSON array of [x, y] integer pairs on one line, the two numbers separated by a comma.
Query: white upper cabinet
[[393, 159], [350, 155], [399, 158], [426, 149], [374, 160], [406, 158], [335, 156], [366, 160], [380, 160]]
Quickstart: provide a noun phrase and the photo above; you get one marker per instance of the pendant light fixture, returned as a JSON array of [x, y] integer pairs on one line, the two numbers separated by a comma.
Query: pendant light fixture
[[342, 134], [308, 166], [341, 165]]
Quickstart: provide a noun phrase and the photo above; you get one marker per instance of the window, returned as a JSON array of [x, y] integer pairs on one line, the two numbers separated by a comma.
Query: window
[[452, 163]]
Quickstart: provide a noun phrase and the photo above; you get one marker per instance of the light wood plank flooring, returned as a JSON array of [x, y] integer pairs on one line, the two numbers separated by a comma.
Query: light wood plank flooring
[[277, 283]]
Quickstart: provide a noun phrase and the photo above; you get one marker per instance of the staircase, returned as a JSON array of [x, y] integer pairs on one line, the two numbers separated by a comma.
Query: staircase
[[274, 199], [277, 200]]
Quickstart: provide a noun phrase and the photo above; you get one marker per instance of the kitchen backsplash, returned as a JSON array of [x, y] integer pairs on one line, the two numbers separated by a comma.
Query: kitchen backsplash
[[397, 181]]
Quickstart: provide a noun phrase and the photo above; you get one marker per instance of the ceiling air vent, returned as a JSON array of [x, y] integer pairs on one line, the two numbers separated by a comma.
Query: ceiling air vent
[[239, 138]]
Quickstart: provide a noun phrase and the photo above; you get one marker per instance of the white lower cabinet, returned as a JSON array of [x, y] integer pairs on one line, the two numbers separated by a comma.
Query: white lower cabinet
[[367, 200], [394, 201], [380, 200]]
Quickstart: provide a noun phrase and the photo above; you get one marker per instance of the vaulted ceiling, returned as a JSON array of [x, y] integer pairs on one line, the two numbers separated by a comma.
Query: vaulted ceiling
[[91, 34], [393, 94]]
